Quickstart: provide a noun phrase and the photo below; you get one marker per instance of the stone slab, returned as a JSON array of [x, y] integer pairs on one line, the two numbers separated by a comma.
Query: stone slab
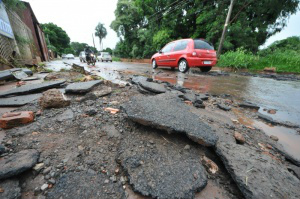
[[246, 104], [86, 185], [257, 175], [32, 88], [18, 163], [20, 75], [159, 169], [7, 74], [82, 87], [224, 107], [169, 113], [152, 87], [19, 100], [11, 189]]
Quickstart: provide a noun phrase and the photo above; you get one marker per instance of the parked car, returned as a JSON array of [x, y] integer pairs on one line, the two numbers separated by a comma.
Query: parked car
[[82, 56], [63, 56], [185, 54], [105, 56], [70, 56]]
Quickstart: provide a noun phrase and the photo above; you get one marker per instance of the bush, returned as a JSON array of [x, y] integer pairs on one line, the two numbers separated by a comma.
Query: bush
[[237, 59], [117, 59]]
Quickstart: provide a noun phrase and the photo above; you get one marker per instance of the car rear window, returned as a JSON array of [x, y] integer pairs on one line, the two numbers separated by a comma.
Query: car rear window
[[181, 45], [200, 44]]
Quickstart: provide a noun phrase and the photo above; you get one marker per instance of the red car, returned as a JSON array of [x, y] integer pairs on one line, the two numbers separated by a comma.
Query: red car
[[185, 54]]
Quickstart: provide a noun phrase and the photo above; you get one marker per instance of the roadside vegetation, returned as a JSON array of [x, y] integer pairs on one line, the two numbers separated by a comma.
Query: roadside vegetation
[[145, 26], [283, 55]]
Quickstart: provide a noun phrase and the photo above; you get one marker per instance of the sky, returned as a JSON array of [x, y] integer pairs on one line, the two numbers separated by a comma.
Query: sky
[[80, 17]]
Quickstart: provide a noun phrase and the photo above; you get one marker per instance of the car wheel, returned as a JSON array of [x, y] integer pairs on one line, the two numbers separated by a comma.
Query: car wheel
[[183, 66], [154, 64], [205, 69]]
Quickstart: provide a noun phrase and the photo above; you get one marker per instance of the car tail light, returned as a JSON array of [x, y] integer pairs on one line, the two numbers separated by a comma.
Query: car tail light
[[194, 54]]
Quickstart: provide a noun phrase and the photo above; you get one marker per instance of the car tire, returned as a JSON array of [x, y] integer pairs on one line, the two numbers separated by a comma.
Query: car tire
[[205, 69], [183, 66], [154, 64]]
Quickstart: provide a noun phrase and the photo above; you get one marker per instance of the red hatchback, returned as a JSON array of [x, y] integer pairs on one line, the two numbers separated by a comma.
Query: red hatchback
[[186, 53]]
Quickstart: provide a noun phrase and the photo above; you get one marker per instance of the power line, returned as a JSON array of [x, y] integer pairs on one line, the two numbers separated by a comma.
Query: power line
[[183, 3], [163, 9]]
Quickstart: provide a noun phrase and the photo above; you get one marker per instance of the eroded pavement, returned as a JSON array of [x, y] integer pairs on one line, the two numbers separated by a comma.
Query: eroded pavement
[[148, 137]]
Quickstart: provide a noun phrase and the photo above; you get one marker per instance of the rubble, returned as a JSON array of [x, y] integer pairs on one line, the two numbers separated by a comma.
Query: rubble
[[78, 185], [53, 99], [82, 87], [224, 107], [10, 120], [19, 100], [240, 139], [210, 165], [246, 104], [257, 175], [161, 170], [162, 112], [33, 88], [152, 87], [18, 163], [10, 189]]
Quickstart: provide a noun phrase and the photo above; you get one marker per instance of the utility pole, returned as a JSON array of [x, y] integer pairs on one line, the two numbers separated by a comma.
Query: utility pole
[[225, 28]]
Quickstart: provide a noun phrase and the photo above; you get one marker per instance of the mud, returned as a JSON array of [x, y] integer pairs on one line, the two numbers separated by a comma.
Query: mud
[[84, 140]]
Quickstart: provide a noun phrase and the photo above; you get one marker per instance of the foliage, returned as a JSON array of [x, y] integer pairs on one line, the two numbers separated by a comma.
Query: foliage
[[109, 50], [117, 59], [78, 47], [14, 5], [145, 25], [101, 32], [284, 55], [22, 41], [238, 59], [56, 37]]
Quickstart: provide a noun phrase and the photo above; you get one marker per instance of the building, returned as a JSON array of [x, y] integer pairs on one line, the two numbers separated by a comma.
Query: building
[[28, 17], [21, 34]]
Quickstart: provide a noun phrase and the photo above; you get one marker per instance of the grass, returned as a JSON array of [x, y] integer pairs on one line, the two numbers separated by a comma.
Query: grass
[[283, 61], [117, 59]]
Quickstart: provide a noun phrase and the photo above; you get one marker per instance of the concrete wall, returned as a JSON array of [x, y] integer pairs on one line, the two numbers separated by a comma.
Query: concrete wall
[[27, 50]]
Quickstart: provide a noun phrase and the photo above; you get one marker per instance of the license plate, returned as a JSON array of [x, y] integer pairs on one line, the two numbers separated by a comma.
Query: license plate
[[207, 62]]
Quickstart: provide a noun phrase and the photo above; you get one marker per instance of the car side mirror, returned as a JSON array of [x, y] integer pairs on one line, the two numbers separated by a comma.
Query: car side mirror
[[160, 52]]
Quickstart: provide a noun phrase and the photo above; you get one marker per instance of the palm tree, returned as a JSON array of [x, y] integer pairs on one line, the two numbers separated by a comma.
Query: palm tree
[[101, 33]]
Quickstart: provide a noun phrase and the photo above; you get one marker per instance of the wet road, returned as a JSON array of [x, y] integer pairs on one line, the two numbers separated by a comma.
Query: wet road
[[283, 96]]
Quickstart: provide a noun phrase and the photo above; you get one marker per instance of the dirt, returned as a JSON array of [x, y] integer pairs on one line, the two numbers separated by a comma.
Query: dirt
[[83, 144]]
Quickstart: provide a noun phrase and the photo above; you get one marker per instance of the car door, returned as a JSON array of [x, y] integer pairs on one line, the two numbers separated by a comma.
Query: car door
[[164, 58], [178, 51]]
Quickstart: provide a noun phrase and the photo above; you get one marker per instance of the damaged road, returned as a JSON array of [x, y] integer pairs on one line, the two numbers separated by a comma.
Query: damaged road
[[149, 139]]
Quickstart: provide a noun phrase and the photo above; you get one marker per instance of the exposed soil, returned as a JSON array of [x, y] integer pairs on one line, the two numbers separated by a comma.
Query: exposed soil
[[84, 148]]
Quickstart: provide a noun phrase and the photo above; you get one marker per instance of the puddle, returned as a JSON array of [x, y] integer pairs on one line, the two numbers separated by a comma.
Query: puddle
[[267, 93], [288, 138]]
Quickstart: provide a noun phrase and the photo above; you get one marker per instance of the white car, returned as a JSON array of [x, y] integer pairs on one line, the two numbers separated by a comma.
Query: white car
[[105, 56], [82, 56], [70, 56]]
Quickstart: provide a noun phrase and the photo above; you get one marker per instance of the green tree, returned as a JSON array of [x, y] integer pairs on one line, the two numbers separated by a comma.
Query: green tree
[[101, 32], [109, 50], [145, 25], [14, 5], [78, 47], [56, 37]]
